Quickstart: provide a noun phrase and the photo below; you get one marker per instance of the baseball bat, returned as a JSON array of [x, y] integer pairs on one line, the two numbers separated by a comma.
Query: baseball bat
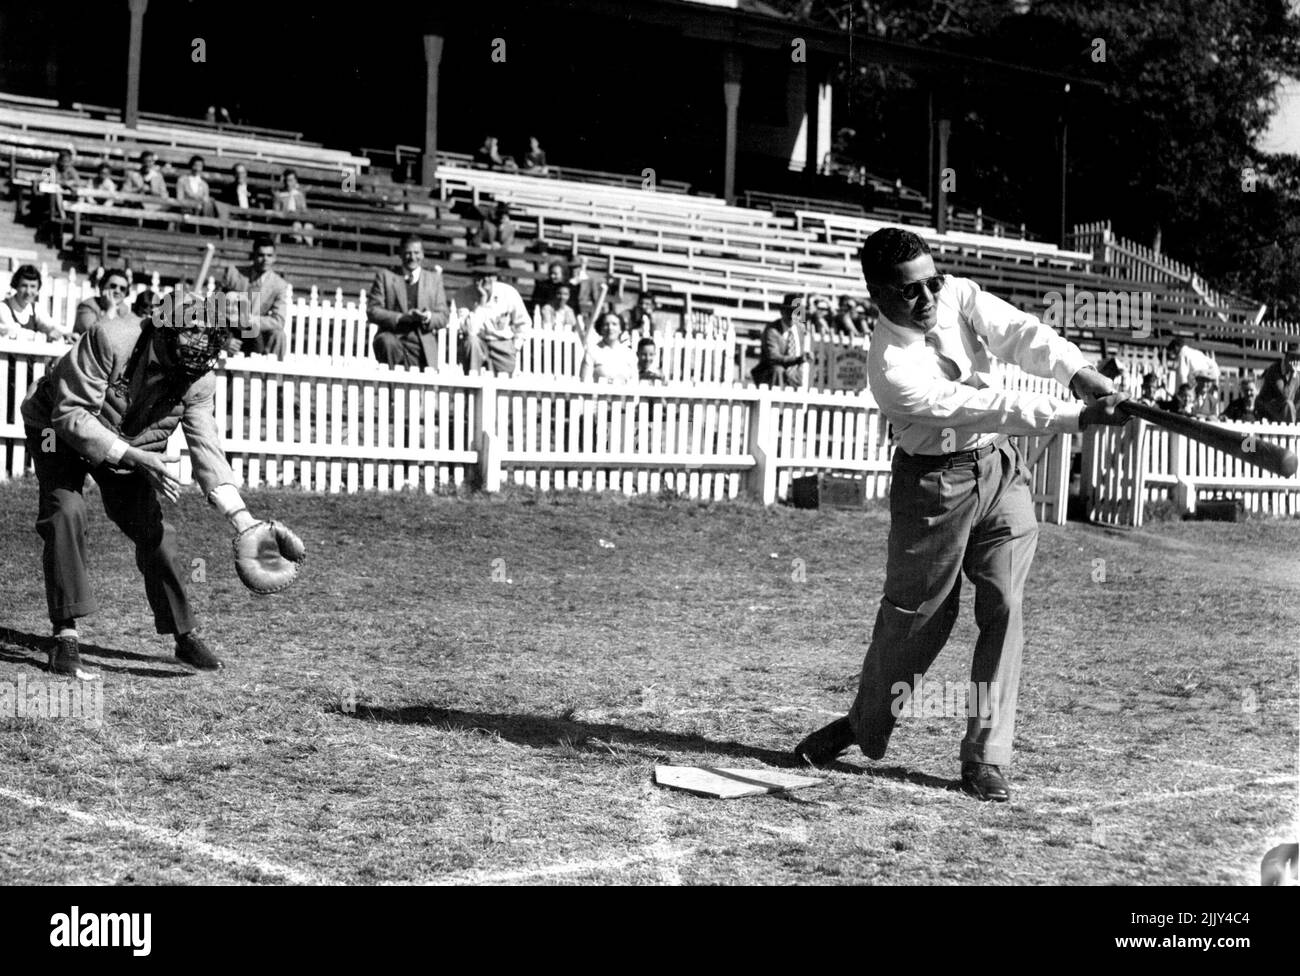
[[1250, 448]]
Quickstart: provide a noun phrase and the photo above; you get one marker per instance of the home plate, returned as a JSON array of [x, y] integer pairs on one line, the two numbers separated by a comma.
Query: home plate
[[727, 784]]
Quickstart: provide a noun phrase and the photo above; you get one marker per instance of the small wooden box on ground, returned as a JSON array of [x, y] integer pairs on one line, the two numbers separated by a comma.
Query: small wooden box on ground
[[829, 491]]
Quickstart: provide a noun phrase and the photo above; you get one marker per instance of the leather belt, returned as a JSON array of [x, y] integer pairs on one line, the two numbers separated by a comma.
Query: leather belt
[[932, 461]]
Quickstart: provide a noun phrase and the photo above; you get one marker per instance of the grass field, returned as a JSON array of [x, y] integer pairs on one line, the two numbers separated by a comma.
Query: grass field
[[400, 716]]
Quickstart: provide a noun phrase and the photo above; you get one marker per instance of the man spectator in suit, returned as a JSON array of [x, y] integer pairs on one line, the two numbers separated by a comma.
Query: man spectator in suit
[[647, 360], [267, 307], [585, 291], [556, 274], [111, 303], [781, 356], [493, 322], [409, 305], [239, 193], [1242, 407], [147, 180], [1189, 363], [193, 192], [1279, 388]]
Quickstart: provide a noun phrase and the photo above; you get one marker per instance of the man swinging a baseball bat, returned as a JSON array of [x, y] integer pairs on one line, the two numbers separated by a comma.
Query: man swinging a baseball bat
[[106, 409], [959, 494]]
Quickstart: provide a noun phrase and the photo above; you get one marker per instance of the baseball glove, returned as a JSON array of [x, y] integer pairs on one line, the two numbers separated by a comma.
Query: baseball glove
[[267, 555]]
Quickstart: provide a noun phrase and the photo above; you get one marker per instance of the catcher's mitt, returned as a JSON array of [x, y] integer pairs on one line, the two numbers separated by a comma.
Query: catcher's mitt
[[267, 555]]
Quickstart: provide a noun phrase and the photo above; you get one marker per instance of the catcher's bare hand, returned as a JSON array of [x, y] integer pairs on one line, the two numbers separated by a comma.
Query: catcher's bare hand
[[154, 467], [1088, 383]]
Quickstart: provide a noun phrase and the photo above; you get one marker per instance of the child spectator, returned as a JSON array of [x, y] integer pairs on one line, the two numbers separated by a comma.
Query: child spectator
[[1153, 393], [647, 362]]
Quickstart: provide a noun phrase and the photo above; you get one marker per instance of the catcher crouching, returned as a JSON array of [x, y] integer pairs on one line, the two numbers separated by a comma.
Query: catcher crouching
[[107, 409]]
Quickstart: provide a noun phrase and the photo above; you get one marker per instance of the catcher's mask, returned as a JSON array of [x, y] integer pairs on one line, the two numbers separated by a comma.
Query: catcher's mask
[[196, 334]]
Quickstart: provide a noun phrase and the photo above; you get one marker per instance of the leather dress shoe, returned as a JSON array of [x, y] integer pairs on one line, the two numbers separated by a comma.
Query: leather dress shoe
[[65, 658], [984, 781], [826, 743], [192, 649]]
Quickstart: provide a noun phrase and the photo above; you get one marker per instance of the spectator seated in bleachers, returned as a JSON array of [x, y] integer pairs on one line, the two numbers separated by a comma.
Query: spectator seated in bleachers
[[58, 179], [643, 317], [489, 155], [104, 185], [1279, 388], [1153, 394], [843, 322], [647, 360], [585, 290], [557, 313], [556, 274], [781, 356], [193, 192], [20, 313], [819, 315], [611, 360], [148, 180], [490, 225], [239, 193], [1242, 406], [409, 306], [291, 199], [267, 301], [1188, 363], [493, 322], [535, 158], [217, 113]]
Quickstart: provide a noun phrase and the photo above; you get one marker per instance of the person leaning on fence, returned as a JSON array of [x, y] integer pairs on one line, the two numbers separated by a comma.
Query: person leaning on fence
[[647, 361], [20, 313], [262, 316], [610, 360], [959, 495], [1188, 363], [111, 304], [409, 306], [1242, 406], [781, 355], [493, 322], [1279, 388]]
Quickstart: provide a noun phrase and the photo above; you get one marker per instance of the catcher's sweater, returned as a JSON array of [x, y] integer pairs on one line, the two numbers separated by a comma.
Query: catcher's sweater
[[111, 391]]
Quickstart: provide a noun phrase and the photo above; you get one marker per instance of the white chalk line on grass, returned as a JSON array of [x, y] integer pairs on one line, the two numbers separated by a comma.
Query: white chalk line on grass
[[169, 838], [1170, 795], [561, 869]]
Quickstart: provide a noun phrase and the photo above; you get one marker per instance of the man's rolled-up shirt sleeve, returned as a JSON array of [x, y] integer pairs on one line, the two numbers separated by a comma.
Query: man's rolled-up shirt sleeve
[[906, 394], [80, 383], [1020, 338], [199, 422]]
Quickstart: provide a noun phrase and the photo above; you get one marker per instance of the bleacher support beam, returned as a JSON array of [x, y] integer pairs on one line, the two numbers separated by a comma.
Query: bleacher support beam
[[131, 110], [433, 68]]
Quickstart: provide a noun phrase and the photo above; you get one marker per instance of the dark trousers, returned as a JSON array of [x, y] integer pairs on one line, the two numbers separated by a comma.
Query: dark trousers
[[978, 517], [399, 349], [132, 505], [273, 342]]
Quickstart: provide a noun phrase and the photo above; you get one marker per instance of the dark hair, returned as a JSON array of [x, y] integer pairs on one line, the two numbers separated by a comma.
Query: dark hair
[[1150, 378], [1185, 386], [600, 321], [791, 300], [647, 294], [557, 263], [288, 173], [146, 152], [106, 273], [262, 240], [25, 272], [647, 341], [887, 248], [195, 159], [1176, 343], [408, 240]]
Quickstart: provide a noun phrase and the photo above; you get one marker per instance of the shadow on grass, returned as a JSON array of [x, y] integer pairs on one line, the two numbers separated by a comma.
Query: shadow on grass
[[546, 732], [11, 639]]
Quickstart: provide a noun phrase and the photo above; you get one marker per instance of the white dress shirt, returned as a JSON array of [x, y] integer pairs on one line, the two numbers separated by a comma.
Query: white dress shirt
[[1191, 364], [938, 388], [609, 364], [502, 316]]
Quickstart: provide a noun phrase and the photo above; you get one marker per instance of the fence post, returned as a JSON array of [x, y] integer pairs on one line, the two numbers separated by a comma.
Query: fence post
[[1137, 472], [486, 440], [762, 444]]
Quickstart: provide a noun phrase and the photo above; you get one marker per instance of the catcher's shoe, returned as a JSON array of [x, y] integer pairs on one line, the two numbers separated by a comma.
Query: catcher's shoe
[[65, 658], [826, 743], [984, 781], [191, 649]]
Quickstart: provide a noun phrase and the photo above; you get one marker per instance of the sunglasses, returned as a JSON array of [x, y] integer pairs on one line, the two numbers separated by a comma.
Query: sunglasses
[[115, 288], [912, 290]]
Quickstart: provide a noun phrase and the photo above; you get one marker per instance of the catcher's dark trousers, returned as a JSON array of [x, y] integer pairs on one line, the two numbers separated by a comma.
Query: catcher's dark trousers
[[130, 501], [976, 516]]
